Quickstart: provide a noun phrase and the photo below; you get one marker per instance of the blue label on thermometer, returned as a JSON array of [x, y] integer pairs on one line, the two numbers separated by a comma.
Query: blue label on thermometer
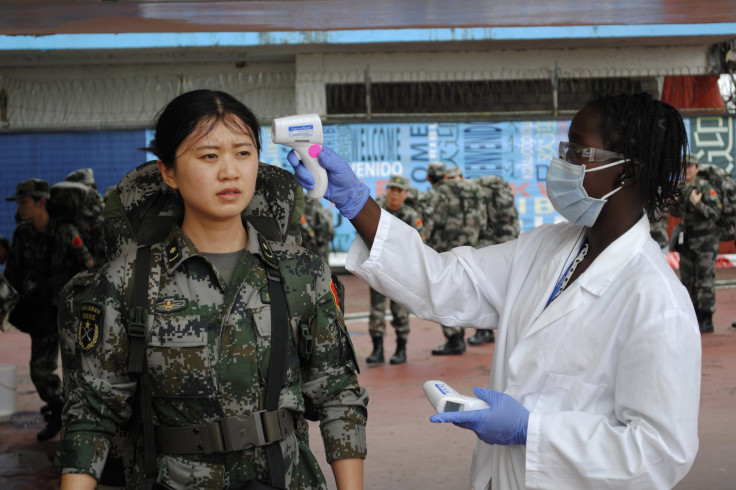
[[303, 130]]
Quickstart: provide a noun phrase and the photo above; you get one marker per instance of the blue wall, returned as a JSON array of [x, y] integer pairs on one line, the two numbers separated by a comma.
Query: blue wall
[[51, 156]]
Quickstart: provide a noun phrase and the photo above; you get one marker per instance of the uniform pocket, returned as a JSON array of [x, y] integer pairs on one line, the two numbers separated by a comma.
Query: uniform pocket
[[179, 358]]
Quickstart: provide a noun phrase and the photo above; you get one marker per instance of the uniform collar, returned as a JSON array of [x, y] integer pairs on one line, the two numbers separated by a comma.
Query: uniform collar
[[608, 265], [178, 248]]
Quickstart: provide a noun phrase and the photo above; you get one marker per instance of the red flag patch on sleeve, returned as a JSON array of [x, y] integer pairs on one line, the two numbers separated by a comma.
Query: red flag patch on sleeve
[[333, 289], [77, 241]]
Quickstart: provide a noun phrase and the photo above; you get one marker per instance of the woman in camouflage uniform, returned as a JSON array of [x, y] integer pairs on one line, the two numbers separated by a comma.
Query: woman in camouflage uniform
[[209, 343]]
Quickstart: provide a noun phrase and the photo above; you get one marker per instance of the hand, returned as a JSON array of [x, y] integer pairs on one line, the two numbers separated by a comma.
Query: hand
[[343, 187], [695, 197], [504, 423]]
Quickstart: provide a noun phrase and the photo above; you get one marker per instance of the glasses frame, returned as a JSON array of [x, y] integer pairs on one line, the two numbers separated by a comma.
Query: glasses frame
[[595, 155]]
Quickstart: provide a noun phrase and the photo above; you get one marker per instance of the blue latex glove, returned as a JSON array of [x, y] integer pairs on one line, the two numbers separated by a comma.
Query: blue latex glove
[[504, 423], [343, 187]]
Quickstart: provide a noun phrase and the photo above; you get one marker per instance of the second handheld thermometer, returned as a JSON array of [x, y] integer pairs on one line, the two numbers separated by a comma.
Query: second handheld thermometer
[[444, 399], [303, 132]]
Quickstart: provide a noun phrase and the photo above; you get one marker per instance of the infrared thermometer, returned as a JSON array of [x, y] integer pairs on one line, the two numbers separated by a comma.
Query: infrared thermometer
[[303, 132], [444, 399]]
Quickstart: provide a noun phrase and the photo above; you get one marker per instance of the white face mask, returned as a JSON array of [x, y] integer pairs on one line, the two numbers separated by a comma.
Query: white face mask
[[566, 192]]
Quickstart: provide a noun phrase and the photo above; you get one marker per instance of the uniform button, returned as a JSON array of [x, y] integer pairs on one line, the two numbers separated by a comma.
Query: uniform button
[[200, 447], [195, 431]]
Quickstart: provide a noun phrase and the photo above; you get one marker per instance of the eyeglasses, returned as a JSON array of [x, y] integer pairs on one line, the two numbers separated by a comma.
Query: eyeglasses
[[570, 152]]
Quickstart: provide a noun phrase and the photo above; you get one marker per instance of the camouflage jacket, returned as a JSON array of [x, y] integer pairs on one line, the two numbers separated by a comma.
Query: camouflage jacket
[[317, 228], [700, 220], [459, 213], [42, 262], [405, 213], [208, 354], [503, 217]]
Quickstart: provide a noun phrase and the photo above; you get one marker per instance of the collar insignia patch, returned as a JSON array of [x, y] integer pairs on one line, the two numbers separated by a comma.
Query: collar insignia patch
[[90, 324], [173, 252], [170, 305]]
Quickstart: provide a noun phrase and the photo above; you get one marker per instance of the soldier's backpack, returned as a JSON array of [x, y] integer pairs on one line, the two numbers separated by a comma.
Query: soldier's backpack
[[725, 185], [74, 203], [460, 210], [503, 217]]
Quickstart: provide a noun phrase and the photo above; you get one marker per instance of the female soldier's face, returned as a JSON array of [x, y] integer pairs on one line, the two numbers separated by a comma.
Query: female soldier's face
[[215, 173]]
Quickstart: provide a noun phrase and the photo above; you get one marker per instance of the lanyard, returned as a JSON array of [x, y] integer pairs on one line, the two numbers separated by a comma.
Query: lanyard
[[562, 282]]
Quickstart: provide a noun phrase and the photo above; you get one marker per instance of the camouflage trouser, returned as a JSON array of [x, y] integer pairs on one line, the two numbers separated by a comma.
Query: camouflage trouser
[[698, 271], [377, 321], [44, 361]]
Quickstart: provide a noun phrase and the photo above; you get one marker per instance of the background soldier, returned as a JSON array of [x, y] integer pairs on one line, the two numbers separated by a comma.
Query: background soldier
[[502, 226], [317, 228], [700, 210], [44, 256], [92, 224], [459, 213], [393, 202]]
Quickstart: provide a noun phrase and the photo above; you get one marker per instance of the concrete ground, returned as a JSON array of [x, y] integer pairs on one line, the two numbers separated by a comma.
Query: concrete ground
[[405, 449]]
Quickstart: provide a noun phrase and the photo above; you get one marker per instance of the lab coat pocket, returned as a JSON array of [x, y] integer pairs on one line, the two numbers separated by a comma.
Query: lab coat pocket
[[179, 358], [562, 393]]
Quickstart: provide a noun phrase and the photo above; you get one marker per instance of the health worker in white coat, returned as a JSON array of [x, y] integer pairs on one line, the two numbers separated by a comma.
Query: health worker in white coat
[[595, 379]]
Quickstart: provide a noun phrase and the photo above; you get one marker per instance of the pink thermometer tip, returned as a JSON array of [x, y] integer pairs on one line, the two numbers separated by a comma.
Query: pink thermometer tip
[[314, 150]]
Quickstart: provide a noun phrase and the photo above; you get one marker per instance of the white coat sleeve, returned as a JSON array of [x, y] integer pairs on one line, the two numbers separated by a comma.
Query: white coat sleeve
[[463, 287], [653, 440]]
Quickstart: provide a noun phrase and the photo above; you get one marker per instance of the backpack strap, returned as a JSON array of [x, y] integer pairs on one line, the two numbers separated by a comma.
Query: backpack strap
[[277, 362], [137, 361]]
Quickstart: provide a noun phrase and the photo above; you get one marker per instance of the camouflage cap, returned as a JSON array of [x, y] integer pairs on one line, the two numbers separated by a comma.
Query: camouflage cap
[[436, 169], [30, 188], [83, 175], [454, 172], [398, 181], [693, 158]]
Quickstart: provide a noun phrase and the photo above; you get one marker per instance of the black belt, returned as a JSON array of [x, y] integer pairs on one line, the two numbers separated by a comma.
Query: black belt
[[229, 434]]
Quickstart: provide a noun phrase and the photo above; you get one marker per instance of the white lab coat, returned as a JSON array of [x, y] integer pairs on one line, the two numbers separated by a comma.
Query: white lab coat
[[610, 370]]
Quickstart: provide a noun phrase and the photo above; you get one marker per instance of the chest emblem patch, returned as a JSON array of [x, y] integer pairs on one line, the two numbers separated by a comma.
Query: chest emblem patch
[[170, 305], [88, 331]]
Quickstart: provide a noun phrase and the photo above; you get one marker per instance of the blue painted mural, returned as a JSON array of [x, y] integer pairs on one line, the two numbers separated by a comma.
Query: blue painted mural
[[518, 151]]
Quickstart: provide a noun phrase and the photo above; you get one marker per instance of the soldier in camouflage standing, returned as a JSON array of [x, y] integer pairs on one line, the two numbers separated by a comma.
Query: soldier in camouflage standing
[[393, 202], [92, 226], [44, 255], [317, 228], [209, 332], [459, 213], [700, 210], [502, 226]]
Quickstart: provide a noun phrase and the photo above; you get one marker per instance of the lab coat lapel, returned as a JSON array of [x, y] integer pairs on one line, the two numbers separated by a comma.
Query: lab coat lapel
[[569, 300]]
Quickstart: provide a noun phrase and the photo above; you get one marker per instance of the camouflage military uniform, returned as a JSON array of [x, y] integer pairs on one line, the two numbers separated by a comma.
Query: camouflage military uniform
[[208, 354], [459, 213], [658, 231], [377, 319], [40, 264], [700, 248], [317, 228], [503, 217]]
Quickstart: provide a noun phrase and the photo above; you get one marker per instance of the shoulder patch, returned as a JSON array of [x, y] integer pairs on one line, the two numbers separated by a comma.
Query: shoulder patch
[[171, 304], [333, 290], [90, 325]]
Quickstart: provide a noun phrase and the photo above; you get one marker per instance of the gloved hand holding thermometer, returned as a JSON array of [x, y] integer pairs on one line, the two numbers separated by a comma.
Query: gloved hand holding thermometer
[[343, 187], [303, 132], [504, 422]]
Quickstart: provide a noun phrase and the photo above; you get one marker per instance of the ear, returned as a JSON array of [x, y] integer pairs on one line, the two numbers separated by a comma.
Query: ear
[[167, 174]]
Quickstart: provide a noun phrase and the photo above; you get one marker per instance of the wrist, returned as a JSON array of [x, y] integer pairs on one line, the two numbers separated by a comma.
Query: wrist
[[352, 207]]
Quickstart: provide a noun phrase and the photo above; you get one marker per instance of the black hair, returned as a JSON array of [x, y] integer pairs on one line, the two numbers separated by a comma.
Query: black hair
[[185, 114], [651, 134]]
